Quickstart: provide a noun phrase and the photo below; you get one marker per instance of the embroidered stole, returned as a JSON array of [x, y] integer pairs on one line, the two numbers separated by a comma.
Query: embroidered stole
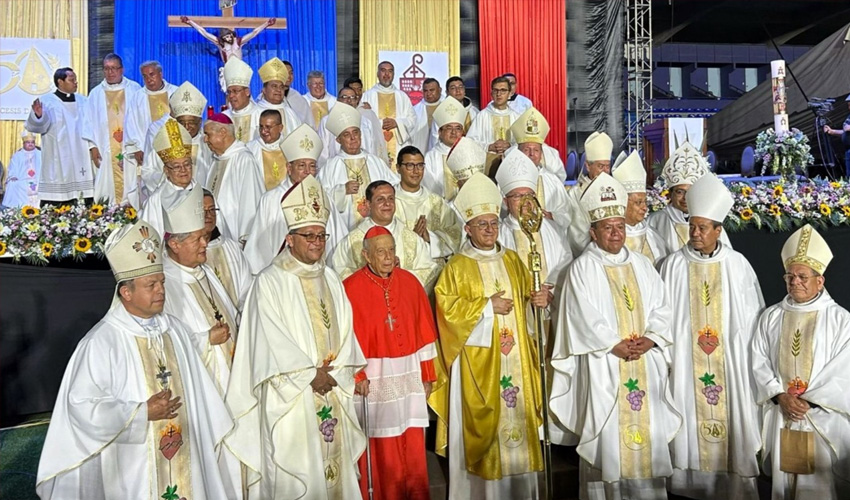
[[450, 183], [242, 123], [172, 458], [319, 109], [386, 109], [683, 232], [115, 108], [640, 244], [633, 403], [158, 105], [796, 349], [274, 167], [709, 364], [220, 167], [217, 260], [357, 170]]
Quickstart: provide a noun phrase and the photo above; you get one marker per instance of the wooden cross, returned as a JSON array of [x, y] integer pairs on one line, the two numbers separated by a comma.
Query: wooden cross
[[227, 20]]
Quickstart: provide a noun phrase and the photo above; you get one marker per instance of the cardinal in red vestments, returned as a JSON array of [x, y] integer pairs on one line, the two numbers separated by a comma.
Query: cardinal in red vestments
[[394, 325]]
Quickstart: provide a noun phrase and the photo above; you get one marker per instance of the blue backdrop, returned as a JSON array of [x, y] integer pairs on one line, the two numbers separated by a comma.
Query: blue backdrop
[[309, 41]]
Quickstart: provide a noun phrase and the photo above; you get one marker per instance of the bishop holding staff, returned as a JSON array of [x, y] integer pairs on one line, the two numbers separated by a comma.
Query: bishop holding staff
[[399, 347], [292, 383]]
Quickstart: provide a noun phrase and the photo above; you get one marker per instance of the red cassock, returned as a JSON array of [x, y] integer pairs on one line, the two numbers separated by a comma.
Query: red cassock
[[394, 325]]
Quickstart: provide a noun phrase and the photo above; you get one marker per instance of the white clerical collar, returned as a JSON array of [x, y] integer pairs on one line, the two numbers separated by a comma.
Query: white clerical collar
[[637, 229], [497, 111], [270, 146], [820, 301], [345, 156], [249, 108], [231, 150], [385, 90], [413, 194], [160, 91], [286, 261], [114, 86], [612, 258], [441, 148], [195, 272], [700, 255], [369, 223]]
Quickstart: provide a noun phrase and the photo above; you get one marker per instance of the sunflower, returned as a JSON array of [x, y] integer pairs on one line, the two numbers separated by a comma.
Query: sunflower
[[665, 193], [746, 191], [825, 210], [29, 212], [2, 248], [778, 191], [846, 211], [746, 214], [774, 210], [835, 185], [96, 211], [130, 212], [82, 244], [47, 249]]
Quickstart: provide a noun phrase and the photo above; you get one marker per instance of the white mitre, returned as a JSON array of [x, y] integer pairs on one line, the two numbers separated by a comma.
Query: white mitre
[[709, 198], [531, 126], [273, 70], [236, 72], [684, 166], [631, 174], [598, 147], [187, 100], [133, 251], [807, 247], [604, 198], [186, 213], [465, 159], [620, 159], [478, 196], [305, 204], [172, 141], [341, 117], [26, 135], [449, 111], [517, 171], [301, 143]]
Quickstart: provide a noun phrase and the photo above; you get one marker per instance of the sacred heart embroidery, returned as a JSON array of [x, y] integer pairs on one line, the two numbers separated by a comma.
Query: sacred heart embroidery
[[388, 135], [362, 208], [797, 387], [506, 340], [708, 340], [118, 135], [171, 441]]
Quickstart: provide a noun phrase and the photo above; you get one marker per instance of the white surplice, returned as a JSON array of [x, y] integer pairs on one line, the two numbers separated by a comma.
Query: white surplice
[[231, 267], [445, 229], [672, 225], [481, 130], [578, 233], [164, 196], [829, 417], [702, 470], [425, 135], [153, 169], [22, 179], [404, 116], [100, 443], [519, 103], [269, 230], [586, 386], [66, 170], [371, 138], [277, 432], [436, 172], [641, 238], [139, 116], [96, 132], [334, 175], [412, 251], [237, 186]]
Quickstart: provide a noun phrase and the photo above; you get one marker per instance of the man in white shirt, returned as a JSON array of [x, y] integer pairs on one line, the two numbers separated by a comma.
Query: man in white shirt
[[318, 98], [517, 101], [66, 172], [492, 127]]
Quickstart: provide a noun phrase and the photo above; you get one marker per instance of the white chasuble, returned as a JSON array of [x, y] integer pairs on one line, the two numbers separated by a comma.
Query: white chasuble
[[270, 159], [671, 224], [231, 268], [444, 227], [237, 186], [716, 301], [296, 443], [491, 125], [389, 102], [245, 127], [642, 239], [362, 167], [804, 349], [578, 234], [622, 411], [438, 178]]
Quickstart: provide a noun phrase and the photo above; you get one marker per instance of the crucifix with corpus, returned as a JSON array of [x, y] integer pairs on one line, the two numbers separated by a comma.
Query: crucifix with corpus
[[228, 43]]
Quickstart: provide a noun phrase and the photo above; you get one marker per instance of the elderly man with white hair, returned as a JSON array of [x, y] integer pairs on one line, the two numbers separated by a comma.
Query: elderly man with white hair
[[320, 101], [800, 355], [640, 237]]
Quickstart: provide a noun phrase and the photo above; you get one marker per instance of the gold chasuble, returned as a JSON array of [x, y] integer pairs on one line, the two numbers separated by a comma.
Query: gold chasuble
[[796, 350], [357, 170], [632, 403], [319, 109], [386, 109], [708, 345], [640, 244], [320, 304], [274, 167], [242, 124], [115, 108], [171, 474], [159, 106], [500, 386]]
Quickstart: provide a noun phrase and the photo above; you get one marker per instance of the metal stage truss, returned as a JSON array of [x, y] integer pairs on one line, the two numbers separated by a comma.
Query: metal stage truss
[[638, 49]]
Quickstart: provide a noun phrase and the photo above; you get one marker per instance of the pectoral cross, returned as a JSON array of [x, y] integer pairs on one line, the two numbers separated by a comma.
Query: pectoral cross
[[390, 321], [163, 376]]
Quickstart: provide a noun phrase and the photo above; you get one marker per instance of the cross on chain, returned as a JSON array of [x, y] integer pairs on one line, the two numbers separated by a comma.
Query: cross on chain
[[390, 321], [163, 376]]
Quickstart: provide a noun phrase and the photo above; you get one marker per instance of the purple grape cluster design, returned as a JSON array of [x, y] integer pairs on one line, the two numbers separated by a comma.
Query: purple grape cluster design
[[509, 391], [328, 422], [711, 391], [635, 395]]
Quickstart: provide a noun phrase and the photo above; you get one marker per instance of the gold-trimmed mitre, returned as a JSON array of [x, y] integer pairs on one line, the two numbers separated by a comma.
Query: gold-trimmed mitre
[[305, 204], [273, 69], [449, 111], [187, 100], [604, 198], [237, 72], [598, 147], [684, 166], [478, 196], [172, 141], [631, 174], [531, 126], [301, 143], [807, 247], [709, 197], [466, 158], [133, 251]]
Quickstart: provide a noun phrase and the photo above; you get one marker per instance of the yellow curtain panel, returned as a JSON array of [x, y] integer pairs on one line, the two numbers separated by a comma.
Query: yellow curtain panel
[[64, 19], [407, 25]]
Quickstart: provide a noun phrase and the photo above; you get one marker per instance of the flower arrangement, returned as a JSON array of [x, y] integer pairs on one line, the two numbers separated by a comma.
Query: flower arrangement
[[778, 205], [37, 234], [782, 153]]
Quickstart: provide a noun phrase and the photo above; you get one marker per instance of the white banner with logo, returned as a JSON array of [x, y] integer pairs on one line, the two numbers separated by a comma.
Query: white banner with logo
[[26, 72], [413, 67]]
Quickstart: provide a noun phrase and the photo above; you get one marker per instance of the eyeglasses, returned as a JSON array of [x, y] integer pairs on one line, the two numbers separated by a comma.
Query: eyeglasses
[[413, 166], [481, 226], [791, 278], [347, 98], [211, 211], [313, 237], [180, 168], [500, 91], [518, 195]]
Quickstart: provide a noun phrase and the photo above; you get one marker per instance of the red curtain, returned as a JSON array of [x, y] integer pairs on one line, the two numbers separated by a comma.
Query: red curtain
[[528, 38]]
